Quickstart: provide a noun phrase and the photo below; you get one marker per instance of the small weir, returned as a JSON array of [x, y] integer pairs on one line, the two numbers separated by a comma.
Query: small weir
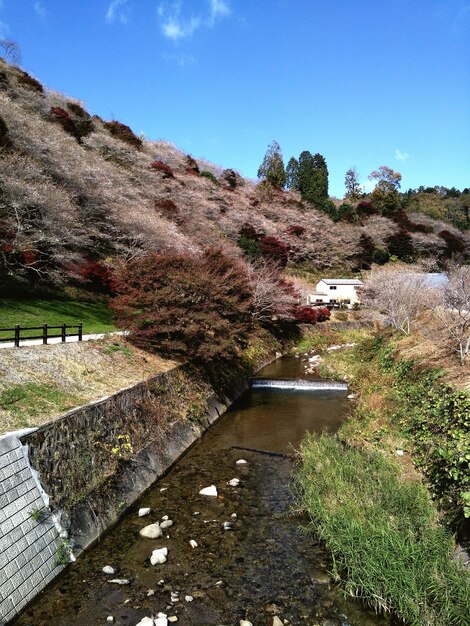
[[251, 561], [299, 384]]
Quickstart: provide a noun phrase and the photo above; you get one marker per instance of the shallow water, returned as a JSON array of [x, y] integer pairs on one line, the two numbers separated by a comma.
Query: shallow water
[[264, 566]]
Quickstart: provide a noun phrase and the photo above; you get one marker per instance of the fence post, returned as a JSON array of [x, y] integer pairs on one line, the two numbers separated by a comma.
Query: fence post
[[63, 333], [44, 334], [17, 335], [80, 331]]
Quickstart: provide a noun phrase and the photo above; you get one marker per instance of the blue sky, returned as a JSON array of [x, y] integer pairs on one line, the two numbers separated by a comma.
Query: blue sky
[[364, 82]]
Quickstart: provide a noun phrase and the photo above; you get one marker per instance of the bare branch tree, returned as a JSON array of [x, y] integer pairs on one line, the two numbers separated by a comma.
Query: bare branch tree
[[401, 294], [453, 310], [10, 51], [273, 296]]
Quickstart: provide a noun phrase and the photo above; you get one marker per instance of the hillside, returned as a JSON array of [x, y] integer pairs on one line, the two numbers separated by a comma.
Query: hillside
[[77, 193]]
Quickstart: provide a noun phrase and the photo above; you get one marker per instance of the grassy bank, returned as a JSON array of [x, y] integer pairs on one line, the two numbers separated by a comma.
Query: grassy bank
[[365, 493], [95, 316], [383, 533]]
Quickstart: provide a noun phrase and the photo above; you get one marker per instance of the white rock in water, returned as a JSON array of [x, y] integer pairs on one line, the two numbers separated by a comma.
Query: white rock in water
[[351, 396], [188, 598], [243, 622], [173, 618], [165, 517], [107, 569], [241, 462], [161, 620], [166, 524], [234, 482], [175, 596], [158, 556], [228, 526], [151, 592], [143, 512], [146, 621], [110, 619], [209, 491], [277, 621], [234, 515], [400, 452], [164, 489], [193, 543], [119, 581], [152, 531]]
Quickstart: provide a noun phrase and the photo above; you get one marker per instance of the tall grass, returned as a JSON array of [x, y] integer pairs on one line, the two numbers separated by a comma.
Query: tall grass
[[387, 545]]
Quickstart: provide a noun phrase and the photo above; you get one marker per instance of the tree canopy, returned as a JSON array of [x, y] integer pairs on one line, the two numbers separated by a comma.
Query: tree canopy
[[272, 168]]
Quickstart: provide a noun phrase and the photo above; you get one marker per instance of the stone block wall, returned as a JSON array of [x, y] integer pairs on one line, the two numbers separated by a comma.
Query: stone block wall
[[29, 538]]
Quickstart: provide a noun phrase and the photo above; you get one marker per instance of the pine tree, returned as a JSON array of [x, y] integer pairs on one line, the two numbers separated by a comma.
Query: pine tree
[[292, 174], [272, 168]]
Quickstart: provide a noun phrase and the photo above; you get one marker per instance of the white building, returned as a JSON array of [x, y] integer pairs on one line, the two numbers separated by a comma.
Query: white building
[[336, 292]]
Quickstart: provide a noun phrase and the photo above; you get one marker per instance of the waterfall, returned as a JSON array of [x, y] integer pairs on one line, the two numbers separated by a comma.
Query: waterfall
[[298, 384]]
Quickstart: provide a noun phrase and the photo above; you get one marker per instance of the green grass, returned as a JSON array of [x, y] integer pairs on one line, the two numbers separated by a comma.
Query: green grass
[[33, 400], [96, 317], [387, 545]]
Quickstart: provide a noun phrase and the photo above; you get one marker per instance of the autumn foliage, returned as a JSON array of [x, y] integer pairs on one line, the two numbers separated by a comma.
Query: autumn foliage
[[124, 133], [163, 168], [185, 306]]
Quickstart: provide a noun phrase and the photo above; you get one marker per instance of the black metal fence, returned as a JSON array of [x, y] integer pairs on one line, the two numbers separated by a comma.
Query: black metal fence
[[45, 335]]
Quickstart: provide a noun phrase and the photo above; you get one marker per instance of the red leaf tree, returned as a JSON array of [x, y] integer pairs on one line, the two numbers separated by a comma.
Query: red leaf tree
[[185, 306]]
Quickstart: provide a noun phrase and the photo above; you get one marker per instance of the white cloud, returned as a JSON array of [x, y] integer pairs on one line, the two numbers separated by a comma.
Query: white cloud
[[118, 11], [175, 25], [218, 8], [40, 9], [401, 156]]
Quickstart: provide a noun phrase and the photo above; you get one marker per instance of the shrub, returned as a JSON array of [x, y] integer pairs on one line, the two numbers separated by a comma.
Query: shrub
[[454, 243], [366, 208], [381, 256], [57, 114], [163, 168], [401, 245], [29, 82], [274, 250], [185, 305], [124, 133], [306, 315], [5, 141], [323, 314], [345, 213], [298, 231], [166, 206], [209, 175], [230, 177], [192, 166]]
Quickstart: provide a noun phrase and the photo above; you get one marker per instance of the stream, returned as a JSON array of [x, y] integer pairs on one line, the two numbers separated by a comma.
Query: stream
[[252, 560]]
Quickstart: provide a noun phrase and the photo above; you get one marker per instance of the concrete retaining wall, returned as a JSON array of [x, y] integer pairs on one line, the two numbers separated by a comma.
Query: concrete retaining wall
[[29, 538], [93, 463]]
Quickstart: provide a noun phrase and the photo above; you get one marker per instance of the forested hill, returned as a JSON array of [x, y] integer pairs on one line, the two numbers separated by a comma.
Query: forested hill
[[77, 193]]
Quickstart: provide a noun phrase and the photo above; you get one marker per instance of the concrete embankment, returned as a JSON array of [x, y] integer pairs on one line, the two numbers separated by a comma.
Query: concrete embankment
[[76, 475]]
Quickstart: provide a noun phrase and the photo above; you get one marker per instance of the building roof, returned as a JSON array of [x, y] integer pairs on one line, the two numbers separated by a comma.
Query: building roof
[[342, 281]]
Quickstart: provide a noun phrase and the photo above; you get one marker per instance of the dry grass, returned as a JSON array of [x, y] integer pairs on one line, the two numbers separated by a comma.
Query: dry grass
[[67, 375]]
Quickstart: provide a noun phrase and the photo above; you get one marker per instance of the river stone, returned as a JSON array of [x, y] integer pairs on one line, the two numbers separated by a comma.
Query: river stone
[[277, 621], [228, 526], [146, 621], [173, 618], [243, 622], [209, 491], [241, 462], [119, 581], [193, 543], [234, 482], [158, 556], [144, 511], [161, 620], [110, 619], [166, 524], [188, 598], [152, 531], [107, 569]]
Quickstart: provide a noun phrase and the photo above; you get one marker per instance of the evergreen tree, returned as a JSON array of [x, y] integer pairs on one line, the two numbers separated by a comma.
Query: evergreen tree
[[292, 174], [313, 179], [272, 168], [351, 182]]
